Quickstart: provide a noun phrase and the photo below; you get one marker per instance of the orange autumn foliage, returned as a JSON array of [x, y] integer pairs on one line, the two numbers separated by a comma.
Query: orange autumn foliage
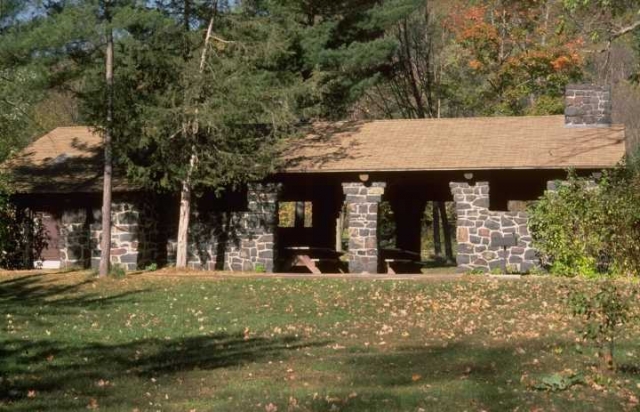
[[515, 50]]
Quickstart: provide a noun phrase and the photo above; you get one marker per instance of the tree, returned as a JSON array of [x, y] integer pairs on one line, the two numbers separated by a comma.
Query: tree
[[604, 21], [341, 49], [70, 43], [105, 250], [516, 57], [190, 129], [17, 102], [204, 106]]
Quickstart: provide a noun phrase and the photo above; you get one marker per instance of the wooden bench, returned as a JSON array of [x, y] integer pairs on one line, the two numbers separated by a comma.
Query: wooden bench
[[309, 257], [398, 257]]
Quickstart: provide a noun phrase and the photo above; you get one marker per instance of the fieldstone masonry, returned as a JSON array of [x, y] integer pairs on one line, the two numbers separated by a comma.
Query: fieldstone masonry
[[362, 203], [478, 228], [254, 249], [124, 236], [75, 247], [587, 105], [81, 231]]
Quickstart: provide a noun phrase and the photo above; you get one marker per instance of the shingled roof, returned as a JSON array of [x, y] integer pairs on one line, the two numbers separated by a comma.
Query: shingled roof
[[65, 160], [531, 142], [69, 159]]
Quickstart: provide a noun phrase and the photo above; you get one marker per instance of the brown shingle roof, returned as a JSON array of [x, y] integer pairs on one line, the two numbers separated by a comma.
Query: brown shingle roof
[[69, 159], [65, 160], [540, 142]]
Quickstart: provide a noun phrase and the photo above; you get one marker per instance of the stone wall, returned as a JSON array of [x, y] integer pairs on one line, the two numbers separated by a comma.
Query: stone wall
[[124, 235], [81, 232], [244, 240], [587, 105], [478, 229], [362, 204], [75, 239], [252, 246], [209, 236], [234, 240]]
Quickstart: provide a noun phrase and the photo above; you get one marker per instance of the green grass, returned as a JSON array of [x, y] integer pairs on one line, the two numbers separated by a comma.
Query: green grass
[[72, 342]]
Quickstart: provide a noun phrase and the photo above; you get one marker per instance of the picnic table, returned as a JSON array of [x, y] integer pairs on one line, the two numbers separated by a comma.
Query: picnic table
[[395, 258], [309, 257]]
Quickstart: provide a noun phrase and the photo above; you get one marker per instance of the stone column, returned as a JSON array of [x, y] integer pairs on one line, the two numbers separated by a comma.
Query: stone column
[[255, 247], [362, 203], [75, 248], [124, 236]]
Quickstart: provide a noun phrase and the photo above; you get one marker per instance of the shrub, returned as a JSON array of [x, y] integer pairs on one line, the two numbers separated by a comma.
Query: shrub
[[564, 226], [117, 272], [497, 271], [588, 229], [152, 267], [620, 204], [477, 271], [22, 236], [602, 313]]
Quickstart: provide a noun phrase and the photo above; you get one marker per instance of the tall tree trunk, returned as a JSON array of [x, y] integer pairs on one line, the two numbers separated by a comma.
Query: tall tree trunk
[[187, 16], [105, 253], [185, 193], [446, 229], [437, 244]]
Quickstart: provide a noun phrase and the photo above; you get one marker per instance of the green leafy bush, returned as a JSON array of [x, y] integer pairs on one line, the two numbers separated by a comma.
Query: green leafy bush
[[602, 313], [476, 271], [589, 229], [117, 272], [620, 209], [152, 267], [562, 225]]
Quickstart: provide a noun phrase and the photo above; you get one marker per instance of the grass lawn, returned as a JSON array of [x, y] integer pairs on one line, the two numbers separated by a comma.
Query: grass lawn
[[152, 343]]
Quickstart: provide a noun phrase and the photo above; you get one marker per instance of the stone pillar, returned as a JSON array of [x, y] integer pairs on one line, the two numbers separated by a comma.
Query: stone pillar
[[124, 236], [75, 247], [477, 226], [255, 247], [362, 203]]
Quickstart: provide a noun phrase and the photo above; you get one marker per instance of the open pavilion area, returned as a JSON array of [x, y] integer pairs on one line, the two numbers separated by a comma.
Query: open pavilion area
[[487, 166]]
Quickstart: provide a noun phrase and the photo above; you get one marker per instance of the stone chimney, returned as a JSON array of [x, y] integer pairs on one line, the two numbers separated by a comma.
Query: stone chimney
[[587, 105]]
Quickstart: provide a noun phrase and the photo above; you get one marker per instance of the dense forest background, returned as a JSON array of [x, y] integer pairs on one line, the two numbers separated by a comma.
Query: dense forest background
[[307, 59], [205, 90]]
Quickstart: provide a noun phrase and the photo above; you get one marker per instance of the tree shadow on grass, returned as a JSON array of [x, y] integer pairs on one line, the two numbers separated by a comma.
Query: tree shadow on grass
[[19, 296], [54, 370], [459, 376]]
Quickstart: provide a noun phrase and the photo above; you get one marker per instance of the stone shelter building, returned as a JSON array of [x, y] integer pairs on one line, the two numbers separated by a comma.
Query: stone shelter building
[[482, 164]]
